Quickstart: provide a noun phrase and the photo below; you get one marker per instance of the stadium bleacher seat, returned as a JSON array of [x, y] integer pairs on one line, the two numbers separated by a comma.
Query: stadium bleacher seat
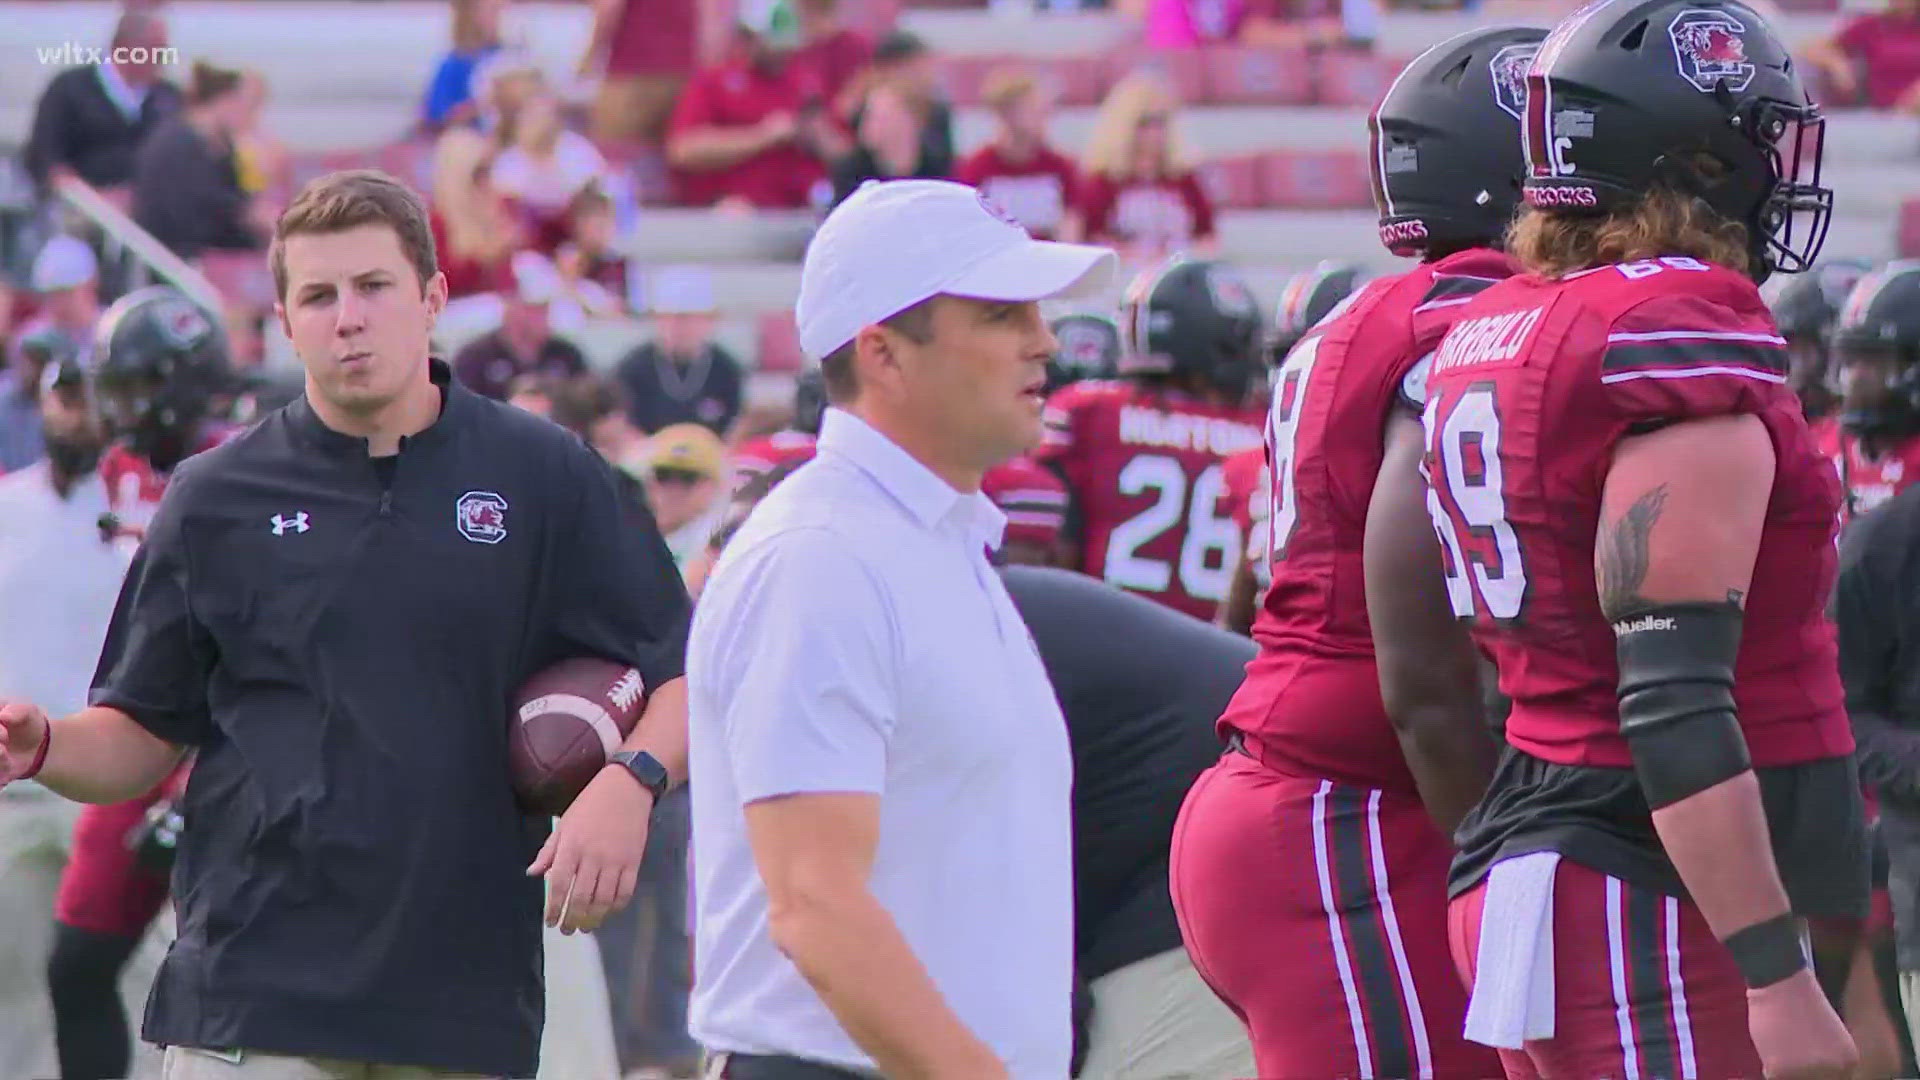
[[1909, 241], [777, 341], [1237, 76], [1315, 179], [1354, 80], [1185, 69], [1234, 183]]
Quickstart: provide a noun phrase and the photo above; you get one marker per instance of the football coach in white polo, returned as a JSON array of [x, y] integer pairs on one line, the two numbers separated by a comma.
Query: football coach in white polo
[[879, 770]]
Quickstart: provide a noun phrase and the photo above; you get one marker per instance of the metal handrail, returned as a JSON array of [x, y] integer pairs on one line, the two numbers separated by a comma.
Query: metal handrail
[[125, 241]]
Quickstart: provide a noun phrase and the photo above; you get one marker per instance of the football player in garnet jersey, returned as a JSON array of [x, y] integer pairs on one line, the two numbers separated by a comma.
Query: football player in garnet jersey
[[157, 361], [1309, 872], [1141, 455], [756, 457], [1874, 440], [1640, 529], [1804, 308], [1305, 299]]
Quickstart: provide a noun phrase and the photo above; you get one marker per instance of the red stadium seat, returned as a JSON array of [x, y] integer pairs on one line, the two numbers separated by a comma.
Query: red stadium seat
[[241, 277], [1186, 69], [962, 77], [411, 161], [1910, 229], [1316, 179], [1240, 76], [1078, 80], [777, 342], [1354, 79], [1234, 183]]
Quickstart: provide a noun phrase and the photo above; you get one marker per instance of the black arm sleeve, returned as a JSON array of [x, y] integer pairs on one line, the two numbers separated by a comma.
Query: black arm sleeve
[[1873, 581], [157, 659], [620, 596]]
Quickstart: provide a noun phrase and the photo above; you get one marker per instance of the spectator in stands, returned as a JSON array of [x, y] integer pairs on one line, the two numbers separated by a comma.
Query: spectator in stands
[[593, 408], [260, 159], [543, 166], [643, 51], [476, 36], [682, 375], [1018, 170], [685, 463], [588, 255], [91, 119], [1282, 24], [523, 344], [65, 278], [475, 232], [902, 60], [1136, 190], [66, 282], [889, 147], [829, 56], [502, 85], [186, 186], [745, 133], [1875, 58]]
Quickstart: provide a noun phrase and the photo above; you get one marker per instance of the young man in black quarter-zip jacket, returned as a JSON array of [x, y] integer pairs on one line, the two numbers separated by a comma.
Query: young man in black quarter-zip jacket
[[334, 610]]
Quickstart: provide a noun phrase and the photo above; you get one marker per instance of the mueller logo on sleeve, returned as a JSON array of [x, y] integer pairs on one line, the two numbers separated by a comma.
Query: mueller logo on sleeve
[[482, 517], [1641, 625]]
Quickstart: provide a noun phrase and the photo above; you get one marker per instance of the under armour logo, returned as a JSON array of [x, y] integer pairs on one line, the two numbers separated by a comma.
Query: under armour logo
[[298, 523]]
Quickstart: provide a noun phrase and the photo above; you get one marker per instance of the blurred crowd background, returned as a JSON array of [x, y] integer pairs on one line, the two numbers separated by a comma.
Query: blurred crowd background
[[622, 190]]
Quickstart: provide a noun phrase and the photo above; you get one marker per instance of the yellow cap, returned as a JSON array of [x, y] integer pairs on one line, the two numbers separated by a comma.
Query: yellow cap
[[689, 447]]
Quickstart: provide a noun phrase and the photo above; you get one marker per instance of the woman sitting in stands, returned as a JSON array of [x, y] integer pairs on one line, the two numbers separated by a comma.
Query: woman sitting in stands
[[542, 166], [474, 229], [1136, 190], [186, 184]]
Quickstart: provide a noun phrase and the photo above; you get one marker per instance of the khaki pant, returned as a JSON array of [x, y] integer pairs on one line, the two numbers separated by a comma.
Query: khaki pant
[[634, 107], [1155, 1019], [1910, 1002]]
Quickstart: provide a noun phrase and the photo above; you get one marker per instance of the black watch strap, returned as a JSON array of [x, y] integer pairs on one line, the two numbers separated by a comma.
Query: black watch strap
[[645, 768]]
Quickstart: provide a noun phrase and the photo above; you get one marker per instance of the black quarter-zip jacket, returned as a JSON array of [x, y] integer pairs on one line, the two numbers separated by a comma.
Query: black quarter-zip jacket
[[339, 637], [1876, 608]]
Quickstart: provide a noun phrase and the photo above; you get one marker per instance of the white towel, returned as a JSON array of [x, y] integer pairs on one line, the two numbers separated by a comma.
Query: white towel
[[1512, 998]]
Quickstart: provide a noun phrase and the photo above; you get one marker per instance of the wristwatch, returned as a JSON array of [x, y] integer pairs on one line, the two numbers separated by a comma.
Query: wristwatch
[[645, 768]]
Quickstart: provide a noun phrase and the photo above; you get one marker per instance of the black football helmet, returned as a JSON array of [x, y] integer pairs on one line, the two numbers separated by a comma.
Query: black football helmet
[[158, 361], [1192, 317], [1446, 161], [1698, 95], [1804, 308], [1089, 349], [809, 401], [1880, 323], [1306, 299]]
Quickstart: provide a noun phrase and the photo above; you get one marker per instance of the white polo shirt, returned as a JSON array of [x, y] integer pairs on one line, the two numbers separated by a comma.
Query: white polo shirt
[[853, 638]]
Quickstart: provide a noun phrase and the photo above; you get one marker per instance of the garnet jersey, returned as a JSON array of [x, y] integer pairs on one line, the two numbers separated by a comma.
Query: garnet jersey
[[1529, 394], [1143, 468], [1312, 696], [1247, 479], [1866, 482], [1032, 497], [756, 457], [134, 486]]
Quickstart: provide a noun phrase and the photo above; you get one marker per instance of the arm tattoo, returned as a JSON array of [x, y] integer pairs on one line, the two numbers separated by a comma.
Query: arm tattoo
[[1623, 554]]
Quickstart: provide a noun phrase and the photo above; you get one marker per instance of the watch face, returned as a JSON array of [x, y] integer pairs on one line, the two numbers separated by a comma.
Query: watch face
[[646, 769]]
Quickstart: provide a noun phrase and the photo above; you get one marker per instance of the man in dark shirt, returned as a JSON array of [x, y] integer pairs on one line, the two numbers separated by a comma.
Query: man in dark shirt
[[90, 119], [682, 376], [333, 610], [1141, 686], [523, 344], [1876, 607]]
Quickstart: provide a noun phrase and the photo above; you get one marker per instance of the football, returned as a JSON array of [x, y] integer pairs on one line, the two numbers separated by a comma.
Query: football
[[568, 720]]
